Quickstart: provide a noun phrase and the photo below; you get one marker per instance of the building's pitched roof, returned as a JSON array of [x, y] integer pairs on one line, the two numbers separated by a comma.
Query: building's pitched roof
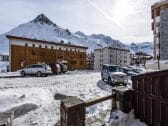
[[112, 47], [43, 41]]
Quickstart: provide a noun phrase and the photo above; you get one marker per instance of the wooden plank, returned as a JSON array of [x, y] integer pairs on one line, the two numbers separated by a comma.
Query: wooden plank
[[33, 55], [98, 100], [148, 111], [164, 86], [155, 94], [156, 117], [148, 85], [156, 87], [164, 114]]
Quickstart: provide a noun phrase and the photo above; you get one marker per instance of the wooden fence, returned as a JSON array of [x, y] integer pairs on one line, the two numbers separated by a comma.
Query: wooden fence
[[150, 99], [73, 109]]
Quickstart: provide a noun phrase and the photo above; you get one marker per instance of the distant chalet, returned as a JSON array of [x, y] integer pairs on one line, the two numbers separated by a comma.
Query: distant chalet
[[27, 51]]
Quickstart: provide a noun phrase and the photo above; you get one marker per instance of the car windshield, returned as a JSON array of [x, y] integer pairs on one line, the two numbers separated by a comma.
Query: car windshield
[[113, 69]]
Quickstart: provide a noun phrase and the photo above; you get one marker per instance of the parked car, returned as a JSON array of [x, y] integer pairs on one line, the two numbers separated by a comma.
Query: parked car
[[128, 71], [37, 69], [113, 75], [55, 68], [64, 68], [137, 70]]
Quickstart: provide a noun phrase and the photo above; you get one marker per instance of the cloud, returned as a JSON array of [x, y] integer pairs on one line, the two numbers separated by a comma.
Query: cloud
[[89, 16]]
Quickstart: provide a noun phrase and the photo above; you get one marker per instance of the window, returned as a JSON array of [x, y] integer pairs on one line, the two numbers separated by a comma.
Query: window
[[26, 44], [78, 50], [36, 66], [46, 47], [5, 58], [33, 45], [125, 61], [39, 46], [59, 48], [52, 47]]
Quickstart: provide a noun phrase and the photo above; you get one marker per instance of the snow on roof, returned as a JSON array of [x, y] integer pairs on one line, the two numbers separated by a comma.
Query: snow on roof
[[113, 48], [4, 53], [37, 40], [161, 2]]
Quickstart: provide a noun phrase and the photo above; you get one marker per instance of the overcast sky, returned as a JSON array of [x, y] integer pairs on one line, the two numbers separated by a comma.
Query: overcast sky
[[125, 20]]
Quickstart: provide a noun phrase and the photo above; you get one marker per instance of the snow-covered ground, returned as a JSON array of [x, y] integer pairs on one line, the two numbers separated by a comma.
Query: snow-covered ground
[[40, 91], [153, 64]]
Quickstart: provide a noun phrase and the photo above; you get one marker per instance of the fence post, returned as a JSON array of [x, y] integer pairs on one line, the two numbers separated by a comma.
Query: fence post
[[6, 119], [72, 112], [114, 102], [124, 96]]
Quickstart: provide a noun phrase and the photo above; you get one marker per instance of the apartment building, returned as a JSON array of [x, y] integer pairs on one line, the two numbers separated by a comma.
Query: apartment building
[[26, 51], [160, 29], [4, 57], [110, 55]]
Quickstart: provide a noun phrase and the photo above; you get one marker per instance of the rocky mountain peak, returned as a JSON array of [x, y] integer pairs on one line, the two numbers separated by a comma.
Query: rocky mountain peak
[[80, 33], [42, 19]]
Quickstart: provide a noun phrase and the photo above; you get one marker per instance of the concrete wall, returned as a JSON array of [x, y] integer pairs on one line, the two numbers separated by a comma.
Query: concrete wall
[[113, 56], [164, 35], [1, 58]]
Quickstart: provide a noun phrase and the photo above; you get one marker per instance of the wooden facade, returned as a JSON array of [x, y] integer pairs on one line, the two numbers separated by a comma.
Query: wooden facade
[[150, 97], [37, 51]]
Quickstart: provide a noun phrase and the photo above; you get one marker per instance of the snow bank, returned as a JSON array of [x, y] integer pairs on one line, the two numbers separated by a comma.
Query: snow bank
[[154, 65], [118, 118], [15, 92], [10, 74]]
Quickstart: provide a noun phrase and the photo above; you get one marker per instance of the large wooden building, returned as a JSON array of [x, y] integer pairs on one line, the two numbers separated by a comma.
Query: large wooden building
[[25, 52]]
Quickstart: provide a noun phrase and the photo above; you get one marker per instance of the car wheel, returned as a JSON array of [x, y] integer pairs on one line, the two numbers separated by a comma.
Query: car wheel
[[38, 74], [22, 73], [109, 81], [102, 77]]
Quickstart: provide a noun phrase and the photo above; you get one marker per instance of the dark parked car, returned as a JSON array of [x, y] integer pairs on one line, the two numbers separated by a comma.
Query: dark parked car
[[56, 68], [128, 71], [64, 68]]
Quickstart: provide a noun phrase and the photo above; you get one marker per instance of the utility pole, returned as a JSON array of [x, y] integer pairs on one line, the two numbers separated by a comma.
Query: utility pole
[[158, 57]]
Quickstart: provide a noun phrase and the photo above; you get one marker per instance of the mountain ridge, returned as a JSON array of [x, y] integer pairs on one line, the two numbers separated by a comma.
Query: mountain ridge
[[43, 28]]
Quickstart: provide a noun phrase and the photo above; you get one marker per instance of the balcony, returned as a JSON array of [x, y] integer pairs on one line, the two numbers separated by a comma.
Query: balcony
[[157, 19], [157, 30], [157, 40], [157, 51]]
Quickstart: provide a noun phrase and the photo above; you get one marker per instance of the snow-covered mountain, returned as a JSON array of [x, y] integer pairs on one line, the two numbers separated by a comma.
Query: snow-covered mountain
[[44, 29], [146, 47]]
